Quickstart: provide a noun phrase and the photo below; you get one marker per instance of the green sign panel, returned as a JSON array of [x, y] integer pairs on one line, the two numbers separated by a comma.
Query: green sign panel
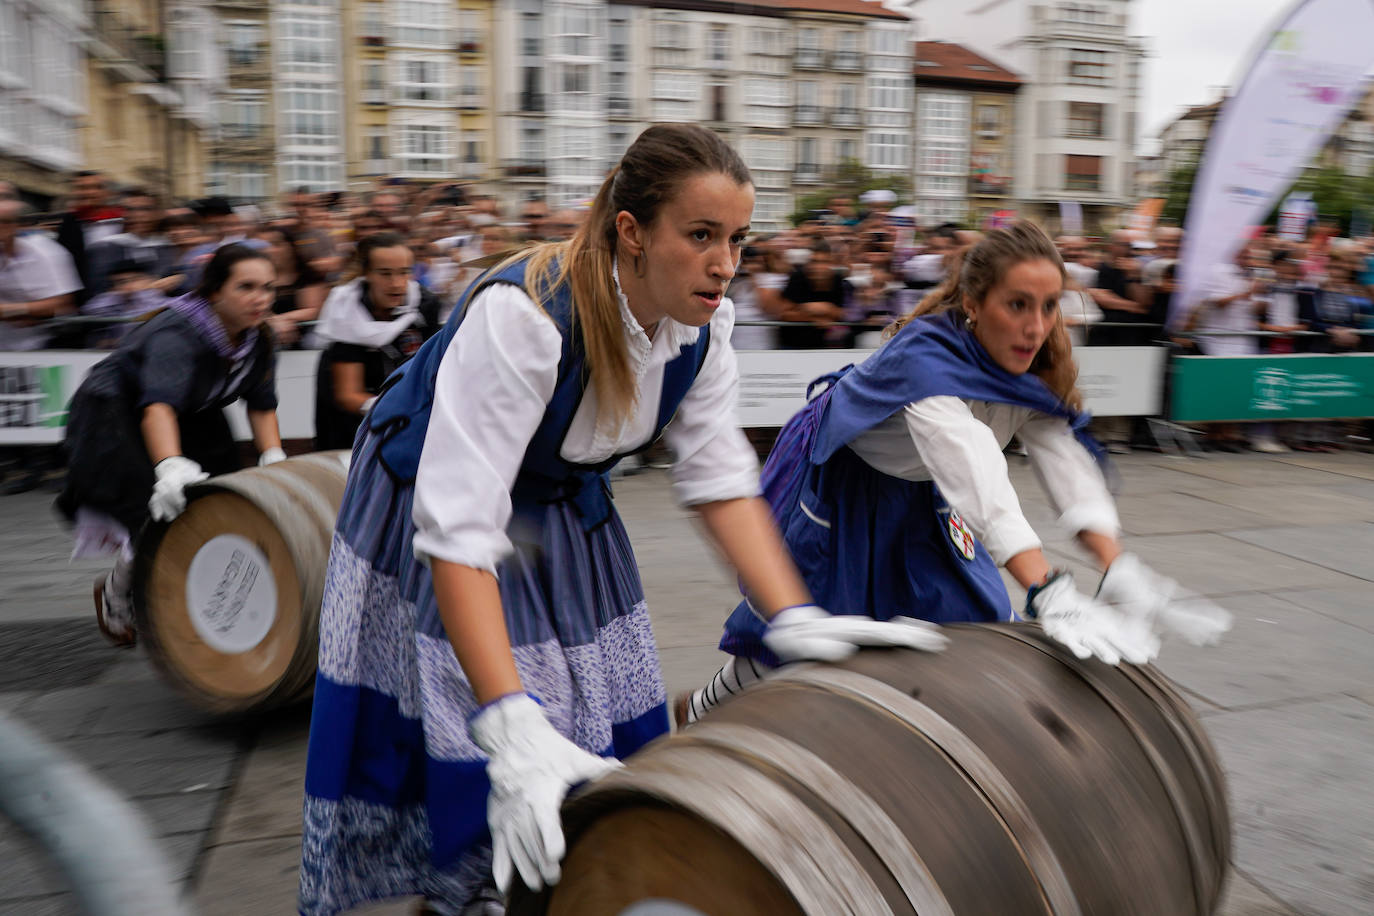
[[1294, 387]]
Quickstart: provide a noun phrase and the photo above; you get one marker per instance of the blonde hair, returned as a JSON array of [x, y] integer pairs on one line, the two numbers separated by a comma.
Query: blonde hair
[[650, 174], [976, 269]]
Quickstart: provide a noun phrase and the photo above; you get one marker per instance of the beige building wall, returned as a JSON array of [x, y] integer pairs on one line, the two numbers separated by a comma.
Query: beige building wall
[[126, 132], [476, 92]]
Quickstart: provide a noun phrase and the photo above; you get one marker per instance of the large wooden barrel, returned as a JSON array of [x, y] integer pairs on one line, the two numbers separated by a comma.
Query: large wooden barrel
[[1002, 776], [227, 595]]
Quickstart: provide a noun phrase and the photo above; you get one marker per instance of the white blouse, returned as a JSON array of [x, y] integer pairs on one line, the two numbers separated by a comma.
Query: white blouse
[[494, 383], [959, 445]]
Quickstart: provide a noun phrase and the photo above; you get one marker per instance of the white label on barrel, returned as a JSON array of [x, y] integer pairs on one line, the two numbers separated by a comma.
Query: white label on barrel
[[231, 594]]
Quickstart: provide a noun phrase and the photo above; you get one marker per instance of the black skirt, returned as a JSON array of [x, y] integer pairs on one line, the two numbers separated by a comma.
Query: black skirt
[[108, 467]]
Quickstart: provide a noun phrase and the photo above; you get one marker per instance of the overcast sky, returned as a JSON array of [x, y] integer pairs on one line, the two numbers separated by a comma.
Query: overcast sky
[[1196, 47]]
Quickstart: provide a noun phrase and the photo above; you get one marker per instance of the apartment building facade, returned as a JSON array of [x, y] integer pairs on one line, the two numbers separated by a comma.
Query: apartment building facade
[[1078, 108], [965, 134]]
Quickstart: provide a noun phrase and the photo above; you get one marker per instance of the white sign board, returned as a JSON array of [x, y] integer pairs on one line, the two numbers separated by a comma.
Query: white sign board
[[35, 387], [1115, 381]]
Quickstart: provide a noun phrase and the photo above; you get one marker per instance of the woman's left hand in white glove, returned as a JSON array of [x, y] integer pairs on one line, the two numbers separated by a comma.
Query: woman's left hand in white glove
[[271, 456], [1147, 596]]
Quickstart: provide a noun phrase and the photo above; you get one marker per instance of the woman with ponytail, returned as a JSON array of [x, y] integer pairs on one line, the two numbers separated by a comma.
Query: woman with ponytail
[[484, 640], [893, 496]]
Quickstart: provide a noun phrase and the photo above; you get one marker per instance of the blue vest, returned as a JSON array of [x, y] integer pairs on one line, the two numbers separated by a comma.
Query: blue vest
[[401, 415], [930, 357]]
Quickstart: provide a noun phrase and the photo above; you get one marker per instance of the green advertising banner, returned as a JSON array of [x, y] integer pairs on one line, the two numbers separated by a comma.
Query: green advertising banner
[[1294, 387]]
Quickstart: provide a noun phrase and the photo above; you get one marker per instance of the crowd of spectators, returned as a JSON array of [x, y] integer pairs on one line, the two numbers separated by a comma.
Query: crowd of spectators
[[836, 280]]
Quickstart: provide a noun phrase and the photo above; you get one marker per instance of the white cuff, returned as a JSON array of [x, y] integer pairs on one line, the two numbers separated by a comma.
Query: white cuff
[[1013, 537], [1101, 519], [739, 485], [474, 550]]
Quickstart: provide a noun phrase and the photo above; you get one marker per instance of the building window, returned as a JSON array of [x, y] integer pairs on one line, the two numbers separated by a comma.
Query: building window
[[532, 144], [421, 22], [306, 43], [718, 46], [1083, 173], [426, 149], [309, 114], [531, 34], [892, 93], [942, 126], [1087, 67], [237, 181], [618, 47], [1087, 119], [373, 76], [768, 102], [772, 209], [890, 42], [671, 34], [470, 88], [372, 23], [808, 156], [317, 173], [243, 42], [577, 30], [846, 151], [419, 80], [989, 121], [469, 31], [188, 40], [374, 151], [241, 114], [675, 96], [887, 150]]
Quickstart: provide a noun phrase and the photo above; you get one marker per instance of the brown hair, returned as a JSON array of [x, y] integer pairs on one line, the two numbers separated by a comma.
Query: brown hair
[[650, 174], [976, 269]]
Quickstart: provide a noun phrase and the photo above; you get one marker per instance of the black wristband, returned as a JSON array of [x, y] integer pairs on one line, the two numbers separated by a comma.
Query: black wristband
[[1035, 589]]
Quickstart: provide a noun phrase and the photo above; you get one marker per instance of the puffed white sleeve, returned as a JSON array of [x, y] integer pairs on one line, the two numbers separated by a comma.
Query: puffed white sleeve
[[1070, 476], [494, 383], [965, 461], [713, 459]]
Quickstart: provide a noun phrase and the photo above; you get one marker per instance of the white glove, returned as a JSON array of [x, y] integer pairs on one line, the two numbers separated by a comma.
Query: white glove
[[174, 475], [1086, 627], [531, 768], [271, 456], [808, 632], [1142, 593], [368, 405]]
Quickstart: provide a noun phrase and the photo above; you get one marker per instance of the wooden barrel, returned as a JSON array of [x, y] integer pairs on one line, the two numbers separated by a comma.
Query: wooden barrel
[[1002, 776], [227, 596]]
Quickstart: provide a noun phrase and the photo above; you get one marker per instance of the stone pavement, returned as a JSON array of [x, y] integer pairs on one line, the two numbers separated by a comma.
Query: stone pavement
[[1286, 543]]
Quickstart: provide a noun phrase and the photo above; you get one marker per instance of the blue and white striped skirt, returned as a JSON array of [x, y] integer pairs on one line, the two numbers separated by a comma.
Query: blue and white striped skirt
[[396, 792]]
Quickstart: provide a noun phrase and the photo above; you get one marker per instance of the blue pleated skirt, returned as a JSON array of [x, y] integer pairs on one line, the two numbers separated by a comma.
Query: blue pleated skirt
[[867, 543], [395, 790]]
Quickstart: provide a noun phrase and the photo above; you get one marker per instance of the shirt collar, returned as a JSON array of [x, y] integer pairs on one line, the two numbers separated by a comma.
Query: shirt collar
[[672, 335]]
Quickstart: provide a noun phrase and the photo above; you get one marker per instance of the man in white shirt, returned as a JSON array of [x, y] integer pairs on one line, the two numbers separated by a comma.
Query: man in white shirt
[[37, 280], [1231, 298]]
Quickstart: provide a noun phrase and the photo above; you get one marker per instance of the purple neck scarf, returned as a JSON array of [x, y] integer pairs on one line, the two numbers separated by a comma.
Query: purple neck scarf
[[202, 316]]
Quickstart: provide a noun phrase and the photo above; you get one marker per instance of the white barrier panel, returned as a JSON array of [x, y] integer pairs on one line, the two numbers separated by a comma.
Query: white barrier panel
[[295, 397], [35, 387], [1115, 381]]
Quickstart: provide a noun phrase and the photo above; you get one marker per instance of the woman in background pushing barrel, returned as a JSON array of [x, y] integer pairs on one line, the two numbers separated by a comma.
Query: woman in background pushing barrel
[[484, 640], [892, 492], [148, 420]]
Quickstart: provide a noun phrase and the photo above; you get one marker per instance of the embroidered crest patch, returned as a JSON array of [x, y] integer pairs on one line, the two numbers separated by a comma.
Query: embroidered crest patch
[[959, 534]]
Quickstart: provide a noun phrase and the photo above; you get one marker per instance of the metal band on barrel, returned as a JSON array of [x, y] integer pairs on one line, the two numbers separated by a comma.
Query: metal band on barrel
[[786, 837], [982, 772], [1192, 835], [856, 806]]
